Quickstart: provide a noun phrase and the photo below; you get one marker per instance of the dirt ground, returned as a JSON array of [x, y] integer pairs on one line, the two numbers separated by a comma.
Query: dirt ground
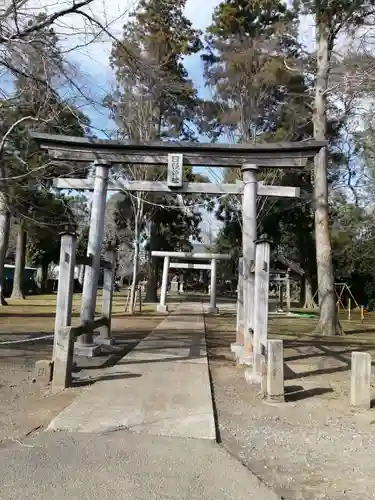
[[25, 407], [313, 446]]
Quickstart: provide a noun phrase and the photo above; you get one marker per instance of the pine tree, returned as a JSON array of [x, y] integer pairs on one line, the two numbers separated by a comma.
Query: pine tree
[[247, 47], [331, 19], [149, 72], [154, 99]]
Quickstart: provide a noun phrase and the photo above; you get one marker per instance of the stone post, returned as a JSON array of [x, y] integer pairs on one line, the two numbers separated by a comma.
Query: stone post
[[85, 345], [275, 371], [249, 234], [108, 283], [360, 380], [65, 284], [212, 308], [238, 345], [162, 307], [262, 271], [181, 286], [63, 362], [261, 296]]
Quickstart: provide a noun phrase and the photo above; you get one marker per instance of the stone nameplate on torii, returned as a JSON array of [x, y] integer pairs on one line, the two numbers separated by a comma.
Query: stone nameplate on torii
[[175, 174]]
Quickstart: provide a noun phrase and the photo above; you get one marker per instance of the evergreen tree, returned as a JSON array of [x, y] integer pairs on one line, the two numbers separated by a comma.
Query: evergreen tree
[[332, 18], [154, 99], [247, 46]]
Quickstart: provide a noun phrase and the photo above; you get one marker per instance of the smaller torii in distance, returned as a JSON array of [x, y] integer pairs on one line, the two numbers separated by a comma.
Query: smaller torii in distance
[[213, 257], [248, 157]]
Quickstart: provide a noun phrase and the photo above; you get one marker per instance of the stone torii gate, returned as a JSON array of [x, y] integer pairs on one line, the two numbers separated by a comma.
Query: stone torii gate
[[248, 157], [213, 257]]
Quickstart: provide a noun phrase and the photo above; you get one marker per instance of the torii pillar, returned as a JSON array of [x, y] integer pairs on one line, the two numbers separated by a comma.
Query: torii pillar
[[249, 236], [85, 345], [213, 308]]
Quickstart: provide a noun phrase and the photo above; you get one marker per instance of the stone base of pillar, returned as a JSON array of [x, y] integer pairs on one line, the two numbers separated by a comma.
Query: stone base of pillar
[[104, 341], [87, 350], [257, 374], [161, 309], [276, 399], [236, 347], [245, 358], [252, 377], [212, 310]]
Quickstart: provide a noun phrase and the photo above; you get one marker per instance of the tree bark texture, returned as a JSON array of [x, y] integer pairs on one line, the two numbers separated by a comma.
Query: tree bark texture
[[81, 273], [152, 285], [135, 276], [308, 300], [4, 239], [328, 319], [19, 269], [42, 277]]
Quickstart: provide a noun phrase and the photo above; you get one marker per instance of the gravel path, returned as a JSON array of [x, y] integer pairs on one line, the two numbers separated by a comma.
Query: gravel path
[[311, 449]]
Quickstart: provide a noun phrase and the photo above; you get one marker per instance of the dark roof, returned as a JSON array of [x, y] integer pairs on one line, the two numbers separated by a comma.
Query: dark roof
[[310, 148]]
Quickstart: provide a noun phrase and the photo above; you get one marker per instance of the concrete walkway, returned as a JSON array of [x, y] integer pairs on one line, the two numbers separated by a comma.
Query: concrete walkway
[[162, 387], [124, 466], [131, 437]]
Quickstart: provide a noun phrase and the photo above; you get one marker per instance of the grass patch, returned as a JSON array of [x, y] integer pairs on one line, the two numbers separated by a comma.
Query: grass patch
[[36, 314]]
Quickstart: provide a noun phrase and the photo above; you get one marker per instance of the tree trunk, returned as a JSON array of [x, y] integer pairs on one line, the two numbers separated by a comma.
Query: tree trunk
[[135, 275], [39, 278], [81, 274], [328, 319], [309, 302], [4, 238], [45, 276], [42, 277], [152, 285], [19, 270]]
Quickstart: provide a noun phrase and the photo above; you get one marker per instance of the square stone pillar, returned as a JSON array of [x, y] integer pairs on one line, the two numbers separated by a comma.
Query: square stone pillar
[[261, 296], [262, 271], [360, 380], [65, 284], [237, 346], [275, 371], [104, 337]]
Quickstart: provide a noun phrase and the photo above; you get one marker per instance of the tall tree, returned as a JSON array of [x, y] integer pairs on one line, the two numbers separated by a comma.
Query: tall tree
[[154, 98], [24, 38], [34, 105], [247, 45], [257, 97], [332, 18]]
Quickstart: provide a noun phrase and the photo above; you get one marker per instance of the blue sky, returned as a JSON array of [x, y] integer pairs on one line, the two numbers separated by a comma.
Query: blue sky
[[91, 62]]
